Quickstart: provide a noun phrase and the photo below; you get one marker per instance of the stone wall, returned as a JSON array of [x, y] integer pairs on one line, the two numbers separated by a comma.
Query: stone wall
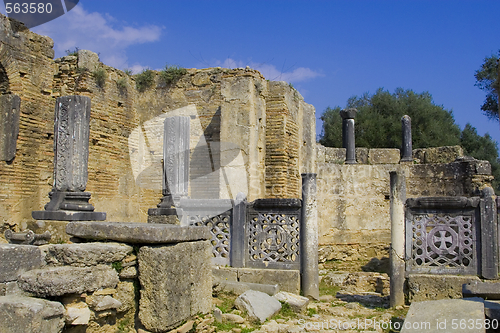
[[231, 150], [353, 200]]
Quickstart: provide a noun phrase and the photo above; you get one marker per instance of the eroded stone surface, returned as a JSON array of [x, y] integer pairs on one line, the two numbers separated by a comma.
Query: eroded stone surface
[[16, 259], [85, 254], [26, 314], [58, 281], [176, 282], [258, 305]]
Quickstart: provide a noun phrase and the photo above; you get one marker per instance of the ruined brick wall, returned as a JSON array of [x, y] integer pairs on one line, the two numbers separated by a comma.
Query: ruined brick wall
[[228, 111]]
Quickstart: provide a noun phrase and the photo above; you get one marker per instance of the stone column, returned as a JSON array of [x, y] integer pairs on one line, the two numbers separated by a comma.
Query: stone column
[[489, 234], [348, 140], [309, 237], [407, 152], [237, 250], [9, 126], [175, 184], [397, 212], [68, 199]]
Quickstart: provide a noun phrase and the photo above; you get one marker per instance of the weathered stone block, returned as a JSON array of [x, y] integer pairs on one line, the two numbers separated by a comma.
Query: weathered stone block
[[362, 155], [288, 280], [26, 314], [334, 155], [176, 282], [239, 288], [446, 154], [88, 60], [145, 233], [297, 303], [85, 254], [440, 315], [424, 287], [258, 305], [58, 281], [17, 259], [223, 274], [486, 290], [77, 314], [383, 156]]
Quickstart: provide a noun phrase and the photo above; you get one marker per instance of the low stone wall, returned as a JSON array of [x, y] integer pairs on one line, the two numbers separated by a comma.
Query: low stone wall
[[105, 287]]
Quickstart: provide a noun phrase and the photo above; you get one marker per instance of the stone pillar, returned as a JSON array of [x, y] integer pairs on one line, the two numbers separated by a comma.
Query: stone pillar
[[407, 152], [9, 126], [397, 212], [237, 250], [309, 237], [348, 140], [68, 199], [175, 183], [489, 234]]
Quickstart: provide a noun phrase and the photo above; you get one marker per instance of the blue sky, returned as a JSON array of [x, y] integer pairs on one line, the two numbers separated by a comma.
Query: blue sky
[[329, 50]]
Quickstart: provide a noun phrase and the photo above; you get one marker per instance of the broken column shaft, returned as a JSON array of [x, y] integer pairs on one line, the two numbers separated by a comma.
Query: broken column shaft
[[407, 155], [348, 140]]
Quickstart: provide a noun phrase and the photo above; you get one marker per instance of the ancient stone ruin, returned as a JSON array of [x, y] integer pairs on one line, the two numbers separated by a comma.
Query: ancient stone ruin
[[211, 184]]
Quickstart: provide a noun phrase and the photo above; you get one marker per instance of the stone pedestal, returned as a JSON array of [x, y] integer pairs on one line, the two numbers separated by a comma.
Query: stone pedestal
[[175, 171], [406, 145], [309, 237], [348, 140], [68, 199]]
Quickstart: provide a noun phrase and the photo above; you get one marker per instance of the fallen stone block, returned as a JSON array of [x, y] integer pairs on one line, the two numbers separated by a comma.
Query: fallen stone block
[[258, 305], [58, 281], [85, 254], [297, 303], [102, 303], [17, 259], [239, 288], [445, 315], [492, 310], [232, 318], [33, 315], [176, 283], [486, 290]]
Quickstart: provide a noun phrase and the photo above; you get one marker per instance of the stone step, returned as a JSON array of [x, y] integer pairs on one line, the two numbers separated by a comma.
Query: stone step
[[239, 288], [446, 315], [487, 290]]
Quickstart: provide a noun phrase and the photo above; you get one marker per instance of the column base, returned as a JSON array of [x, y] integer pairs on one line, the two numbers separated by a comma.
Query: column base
[[69, 206], [67, 215], [165, 215]]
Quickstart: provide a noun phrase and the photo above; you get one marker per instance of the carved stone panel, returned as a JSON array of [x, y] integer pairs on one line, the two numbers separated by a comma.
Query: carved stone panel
[[442, 240], [9, 126]]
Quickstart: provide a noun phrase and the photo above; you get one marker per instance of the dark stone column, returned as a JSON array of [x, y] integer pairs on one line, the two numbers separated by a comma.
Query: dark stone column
[[9, 126], [348, 140], [489, 234], [68, 199], [176, 137], [237, 252], [407, 152], [309, 237]]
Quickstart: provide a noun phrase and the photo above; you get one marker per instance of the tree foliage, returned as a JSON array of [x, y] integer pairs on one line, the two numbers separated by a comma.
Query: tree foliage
[[487, 80], [378, 121]]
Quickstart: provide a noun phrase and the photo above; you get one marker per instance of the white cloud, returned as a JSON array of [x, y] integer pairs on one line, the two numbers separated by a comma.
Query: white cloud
[[98, 33], [270, 71]]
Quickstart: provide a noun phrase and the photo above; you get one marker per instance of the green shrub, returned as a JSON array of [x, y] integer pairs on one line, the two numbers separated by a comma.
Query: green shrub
[[170, 74], [100, 76], [144, 80], [121, 83], [127, 71], [73, 52]]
